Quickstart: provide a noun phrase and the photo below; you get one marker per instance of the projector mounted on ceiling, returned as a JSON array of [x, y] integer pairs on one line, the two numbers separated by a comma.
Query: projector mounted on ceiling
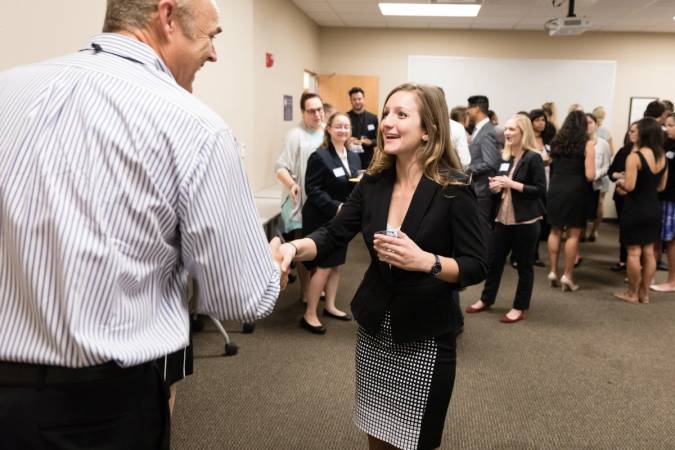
[[567, 26]]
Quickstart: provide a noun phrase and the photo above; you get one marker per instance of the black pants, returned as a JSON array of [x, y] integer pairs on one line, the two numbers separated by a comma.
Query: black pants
[[129, 412], [486, 214], [521, 240]]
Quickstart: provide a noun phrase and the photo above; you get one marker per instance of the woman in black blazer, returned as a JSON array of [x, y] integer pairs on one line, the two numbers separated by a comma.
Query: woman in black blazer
[[521, 185], [419, 220], [327, 184]]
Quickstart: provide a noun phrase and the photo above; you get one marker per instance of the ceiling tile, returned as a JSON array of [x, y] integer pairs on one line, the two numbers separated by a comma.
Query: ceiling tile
[[605, 15]]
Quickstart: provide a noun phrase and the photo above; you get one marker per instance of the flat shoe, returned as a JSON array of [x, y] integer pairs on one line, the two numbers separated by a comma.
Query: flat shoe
[[346, 317], [618, 267], [506, 319], [311, 328], [471, 310], [657, 288]]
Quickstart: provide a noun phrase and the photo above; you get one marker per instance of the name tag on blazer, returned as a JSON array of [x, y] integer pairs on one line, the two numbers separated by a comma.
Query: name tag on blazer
[[670, 155], [504, 167], [371, 127], [339, 172]]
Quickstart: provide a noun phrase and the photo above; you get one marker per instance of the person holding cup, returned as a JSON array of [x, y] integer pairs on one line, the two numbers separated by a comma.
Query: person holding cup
[[407, 305]]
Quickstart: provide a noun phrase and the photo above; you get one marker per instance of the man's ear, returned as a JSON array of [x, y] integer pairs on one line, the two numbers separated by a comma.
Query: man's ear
[[167, 23]]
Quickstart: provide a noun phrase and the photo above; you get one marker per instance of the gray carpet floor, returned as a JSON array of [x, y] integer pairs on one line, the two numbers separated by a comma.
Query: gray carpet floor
[[583, 371]]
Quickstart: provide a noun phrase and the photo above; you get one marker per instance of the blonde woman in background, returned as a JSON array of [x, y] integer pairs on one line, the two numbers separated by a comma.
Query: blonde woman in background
[[603, 158], [521, 181], [602, 132]]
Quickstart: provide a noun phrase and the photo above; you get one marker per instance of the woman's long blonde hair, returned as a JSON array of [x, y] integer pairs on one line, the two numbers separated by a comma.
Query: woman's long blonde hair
[[436, 156], [525, 126]]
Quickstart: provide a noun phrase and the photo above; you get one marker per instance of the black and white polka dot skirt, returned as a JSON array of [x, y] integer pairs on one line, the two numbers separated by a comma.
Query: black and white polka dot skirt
[[403, 390]]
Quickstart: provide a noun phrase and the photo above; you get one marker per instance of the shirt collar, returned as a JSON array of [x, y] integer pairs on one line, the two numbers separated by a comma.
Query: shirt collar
[[128, 48], [479, 125]]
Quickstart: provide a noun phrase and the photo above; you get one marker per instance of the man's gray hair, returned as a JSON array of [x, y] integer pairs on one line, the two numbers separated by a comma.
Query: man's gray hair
[[129, 15]]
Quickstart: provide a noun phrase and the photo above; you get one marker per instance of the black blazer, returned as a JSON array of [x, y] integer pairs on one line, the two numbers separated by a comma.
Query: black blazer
[[440, 220], [327, 185], [529, 204]]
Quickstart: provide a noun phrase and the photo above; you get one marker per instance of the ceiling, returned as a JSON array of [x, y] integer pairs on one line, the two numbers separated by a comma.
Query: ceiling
[[605, 15]]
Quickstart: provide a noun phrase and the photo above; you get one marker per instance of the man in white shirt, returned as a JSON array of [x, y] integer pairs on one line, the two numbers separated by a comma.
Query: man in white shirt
[[460, 142], [116, 184]]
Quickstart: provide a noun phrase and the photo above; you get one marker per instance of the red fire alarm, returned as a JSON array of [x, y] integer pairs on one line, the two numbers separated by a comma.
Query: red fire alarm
[[269, 60]]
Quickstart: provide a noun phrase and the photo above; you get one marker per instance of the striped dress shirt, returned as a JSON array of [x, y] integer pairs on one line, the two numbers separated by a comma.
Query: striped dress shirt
[[115, 184]]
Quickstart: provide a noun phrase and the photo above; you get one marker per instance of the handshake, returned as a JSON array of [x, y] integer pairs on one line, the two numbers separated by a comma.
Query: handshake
[[283, 254]]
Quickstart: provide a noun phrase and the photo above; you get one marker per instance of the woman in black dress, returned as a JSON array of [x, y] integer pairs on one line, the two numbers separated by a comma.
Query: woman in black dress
[[616, 172], [572, 169], [419, 219], [646, 175], [327, 184]]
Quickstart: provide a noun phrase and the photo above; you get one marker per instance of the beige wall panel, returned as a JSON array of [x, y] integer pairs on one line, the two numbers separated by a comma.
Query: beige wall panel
[[334, 89]]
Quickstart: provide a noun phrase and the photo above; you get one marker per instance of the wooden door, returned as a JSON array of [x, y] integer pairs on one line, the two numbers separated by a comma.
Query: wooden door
[[334, 89]]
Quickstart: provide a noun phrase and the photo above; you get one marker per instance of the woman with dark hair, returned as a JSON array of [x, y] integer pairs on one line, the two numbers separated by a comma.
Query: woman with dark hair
[[617, 171], [544, 133], [327, 185], [419, 219], [667, 198], [572, 169], [646, 175]]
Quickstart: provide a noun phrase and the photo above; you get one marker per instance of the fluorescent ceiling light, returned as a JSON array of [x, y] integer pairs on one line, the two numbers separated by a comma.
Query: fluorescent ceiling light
[[429, 9]]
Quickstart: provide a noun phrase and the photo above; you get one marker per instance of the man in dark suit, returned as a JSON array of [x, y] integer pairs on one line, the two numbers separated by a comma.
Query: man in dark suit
[[484, 156], [364, 126]]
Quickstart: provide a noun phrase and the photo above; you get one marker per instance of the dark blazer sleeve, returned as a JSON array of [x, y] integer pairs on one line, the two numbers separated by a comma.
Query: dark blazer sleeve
[[618, 164], [469, 247], [488, 151], [343, 227], [315, 176], [536, 188]]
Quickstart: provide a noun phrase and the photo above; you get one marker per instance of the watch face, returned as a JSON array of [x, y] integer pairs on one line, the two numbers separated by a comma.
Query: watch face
[[436, 268]]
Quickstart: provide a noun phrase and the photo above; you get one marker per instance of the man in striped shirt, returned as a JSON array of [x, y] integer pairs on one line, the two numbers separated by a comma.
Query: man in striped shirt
[[115, 184]]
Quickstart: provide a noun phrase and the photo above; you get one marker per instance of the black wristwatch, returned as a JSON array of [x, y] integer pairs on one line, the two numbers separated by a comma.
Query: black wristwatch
[[436, 268]]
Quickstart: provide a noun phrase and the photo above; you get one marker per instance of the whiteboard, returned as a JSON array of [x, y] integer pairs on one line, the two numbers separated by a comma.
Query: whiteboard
[[513, 85]]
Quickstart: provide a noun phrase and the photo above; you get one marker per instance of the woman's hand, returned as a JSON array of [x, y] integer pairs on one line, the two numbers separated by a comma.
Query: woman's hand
[[403, 253], [295, 191], [496, 184]]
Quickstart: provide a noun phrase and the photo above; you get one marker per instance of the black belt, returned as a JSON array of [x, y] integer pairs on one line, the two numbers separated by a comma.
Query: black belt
[[19, 374]]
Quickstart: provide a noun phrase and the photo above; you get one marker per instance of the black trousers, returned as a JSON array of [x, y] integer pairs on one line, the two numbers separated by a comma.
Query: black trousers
[[521, 240], [487, 215], [127, 412]]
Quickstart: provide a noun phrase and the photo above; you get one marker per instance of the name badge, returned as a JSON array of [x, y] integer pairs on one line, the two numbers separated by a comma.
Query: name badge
[[339, 172], [670, 155], [371, 127], [504, 167]]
